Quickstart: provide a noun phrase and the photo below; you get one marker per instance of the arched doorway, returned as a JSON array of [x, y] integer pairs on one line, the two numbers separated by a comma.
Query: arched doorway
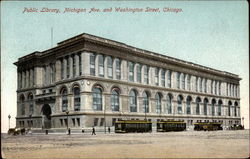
[[46, 116]]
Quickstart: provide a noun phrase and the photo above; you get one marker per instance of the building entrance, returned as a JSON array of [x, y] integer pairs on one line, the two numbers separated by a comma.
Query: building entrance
[[46, 116]]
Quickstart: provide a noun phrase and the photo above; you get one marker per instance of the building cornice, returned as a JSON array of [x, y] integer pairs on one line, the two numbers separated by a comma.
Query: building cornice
[[82, 38]]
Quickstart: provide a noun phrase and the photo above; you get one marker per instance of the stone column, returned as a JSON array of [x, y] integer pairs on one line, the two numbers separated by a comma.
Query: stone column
[[105, 66], [135, 72], [58, 70], [31, 77], [19, 83], [77, 64], [70, 66], [85, 57], [27, 79], [124, 70], [64, 68], [97, 65]]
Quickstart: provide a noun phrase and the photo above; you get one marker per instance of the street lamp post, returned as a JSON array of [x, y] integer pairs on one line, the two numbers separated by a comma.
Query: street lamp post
[[30, 120], [9, 120], [67, 112]]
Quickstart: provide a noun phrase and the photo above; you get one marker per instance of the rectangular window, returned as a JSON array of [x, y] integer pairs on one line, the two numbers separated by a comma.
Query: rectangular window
[[169, 78], [102, 122], [118, 69], [110, 67], [215, 87], [66, 122], [101, 65], [163, 78], [113, 121], [80, 64], [219, 88], [200, 84], [95, 121], [74, 122], [61, 121], [146, 72], [62, 69], [92, 64], [139, 73], [178, 79], [212, 90], [157, 76], [183, 81], [78, 121], [131, 71], [205, 86], [74, 65], [196, 84], [188, 82], [68, 70]]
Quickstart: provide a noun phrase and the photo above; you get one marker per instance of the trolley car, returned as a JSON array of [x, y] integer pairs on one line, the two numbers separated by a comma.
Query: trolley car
[[170, 125], [207, 126], [126, 126]]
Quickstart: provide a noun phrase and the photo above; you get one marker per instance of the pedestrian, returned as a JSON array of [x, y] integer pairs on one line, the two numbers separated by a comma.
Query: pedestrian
[[109, 129], [82, 130], [93, 131]]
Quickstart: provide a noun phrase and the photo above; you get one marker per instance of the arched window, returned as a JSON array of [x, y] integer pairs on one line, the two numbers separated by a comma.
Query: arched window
[[115, 99], [158, 103], [219, 107], [118, 68], [169, 103], [205, 106], [110, 67], [77, 98], [97, 98], [198, 100], [213, 107], [101, 65], [64, 99], [139, 73], [133, 101], [229, 108], [145, 102], [22, 104], [31, 106], [169, 78], [179, 101], [189, 99], [235, 108]]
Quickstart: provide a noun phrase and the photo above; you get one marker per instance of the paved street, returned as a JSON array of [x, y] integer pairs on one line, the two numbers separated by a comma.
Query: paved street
[[188, 144]]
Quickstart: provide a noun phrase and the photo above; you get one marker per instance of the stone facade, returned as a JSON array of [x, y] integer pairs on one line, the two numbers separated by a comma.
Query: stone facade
[[97, 81]]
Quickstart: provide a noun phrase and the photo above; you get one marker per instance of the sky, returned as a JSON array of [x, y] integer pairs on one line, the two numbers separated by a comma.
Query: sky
[[209, 33]]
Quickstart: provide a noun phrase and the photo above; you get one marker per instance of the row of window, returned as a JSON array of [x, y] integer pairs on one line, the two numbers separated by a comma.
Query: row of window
[[73, 61], [232, 90], [75, 122], [162, 77], [26, 78]]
